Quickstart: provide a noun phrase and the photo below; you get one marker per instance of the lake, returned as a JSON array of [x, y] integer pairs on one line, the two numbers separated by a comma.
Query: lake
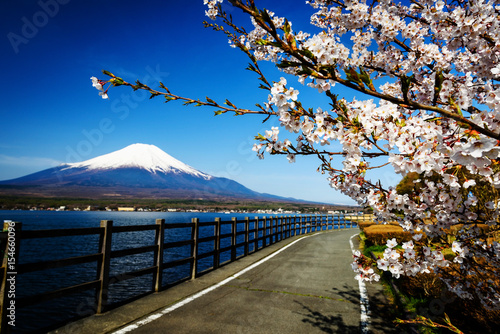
[[47, 314]]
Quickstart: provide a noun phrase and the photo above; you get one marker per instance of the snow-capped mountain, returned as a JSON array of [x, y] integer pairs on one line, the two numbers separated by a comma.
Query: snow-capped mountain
[[136, 171], [142, 156]]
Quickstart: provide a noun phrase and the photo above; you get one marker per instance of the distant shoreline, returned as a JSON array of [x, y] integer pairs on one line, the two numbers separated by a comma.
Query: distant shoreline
[[165, 205]]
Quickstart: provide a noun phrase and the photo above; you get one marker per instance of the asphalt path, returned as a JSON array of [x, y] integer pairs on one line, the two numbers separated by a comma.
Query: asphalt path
[[301, 285]]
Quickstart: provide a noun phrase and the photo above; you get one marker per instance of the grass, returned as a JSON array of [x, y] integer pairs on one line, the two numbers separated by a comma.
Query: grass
[[377, 250]]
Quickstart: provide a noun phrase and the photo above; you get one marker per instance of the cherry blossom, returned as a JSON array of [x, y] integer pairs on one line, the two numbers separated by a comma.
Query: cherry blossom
[[426, 80]]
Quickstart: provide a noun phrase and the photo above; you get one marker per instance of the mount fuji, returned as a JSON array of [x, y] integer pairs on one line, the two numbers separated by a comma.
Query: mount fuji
[[136, 171]]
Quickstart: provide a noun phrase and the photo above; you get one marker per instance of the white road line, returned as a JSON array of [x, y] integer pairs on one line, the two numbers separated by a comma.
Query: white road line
[[183, 302], [363, 300]]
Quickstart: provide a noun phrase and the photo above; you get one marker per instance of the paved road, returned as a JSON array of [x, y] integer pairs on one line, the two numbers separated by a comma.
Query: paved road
[[308, 287]]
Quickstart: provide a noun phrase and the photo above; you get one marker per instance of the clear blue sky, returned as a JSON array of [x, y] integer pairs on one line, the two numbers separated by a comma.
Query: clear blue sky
[[51, 114]]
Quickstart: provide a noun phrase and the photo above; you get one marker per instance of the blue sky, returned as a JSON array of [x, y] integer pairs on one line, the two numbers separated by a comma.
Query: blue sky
[[51, 114]]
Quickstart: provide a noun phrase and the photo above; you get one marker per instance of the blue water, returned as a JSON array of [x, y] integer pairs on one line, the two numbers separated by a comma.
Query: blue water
[[43, 315]]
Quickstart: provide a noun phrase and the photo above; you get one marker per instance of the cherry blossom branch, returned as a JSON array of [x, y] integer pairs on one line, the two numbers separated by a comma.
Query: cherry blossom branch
[[325, 74], [436, 117], [229, 106]]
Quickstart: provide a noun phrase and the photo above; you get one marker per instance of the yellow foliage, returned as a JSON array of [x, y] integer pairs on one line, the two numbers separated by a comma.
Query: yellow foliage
[[378, 234]]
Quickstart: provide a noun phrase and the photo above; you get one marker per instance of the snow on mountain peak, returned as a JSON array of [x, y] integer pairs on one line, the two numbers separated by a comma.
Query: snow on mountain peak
[[144, 156]]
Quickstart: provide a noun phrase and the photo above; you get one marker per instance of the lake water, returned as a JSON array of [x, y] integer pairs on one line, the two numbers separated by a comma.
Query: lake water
[[47, 314]]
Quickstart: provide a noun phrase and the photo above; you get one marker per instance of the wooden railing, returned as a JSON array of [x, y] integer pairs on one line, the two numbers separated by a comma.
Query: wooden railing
[[239, 238]]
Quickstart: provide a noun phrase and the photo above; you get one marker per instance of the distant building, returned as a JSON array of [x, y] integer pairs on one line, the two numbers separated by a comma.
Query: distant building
[[126, 208]]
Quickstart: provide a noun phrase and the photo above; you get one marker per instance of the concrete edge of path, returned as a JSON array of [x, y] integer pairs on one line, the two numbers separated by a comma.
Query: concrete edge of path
[[124, 315]]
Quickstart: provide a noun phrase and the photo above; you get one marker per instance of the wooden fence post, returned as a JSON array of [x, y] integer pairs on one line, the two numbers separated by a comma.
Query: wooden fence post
[[287, 227], [217, 231], [300, 225], [256, 235], [194, 246], [247, 227], [10, 254], [294, 224], [276, 228], [283, 227], [233, 239], [159, 241], [264, 231], [103, 267], [271, 232]]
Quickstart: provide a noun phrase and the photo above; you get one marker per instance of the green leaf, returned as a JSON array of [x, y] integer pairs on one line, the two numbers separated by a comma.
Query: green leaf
[[229, 103], [252, 68], [304, 70], [434, 119], [265, 16], [365, 77], [262, 42], [405, 85], [117, 81], [287, 63], [307, 53], [455, 106], [260, 107], [352, 75], [164, 87], [286, 27], [109, 74], [438, 85]]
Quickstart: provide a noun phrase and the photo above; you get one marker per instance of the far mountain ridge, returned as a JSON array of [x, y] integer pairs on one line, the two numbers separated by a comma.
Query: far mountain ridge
[[136, 171]]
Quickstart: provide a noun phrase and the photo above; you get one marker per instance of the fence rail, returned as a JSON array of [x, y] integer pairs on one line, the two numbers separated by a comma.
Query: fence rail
[[238, 237]]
